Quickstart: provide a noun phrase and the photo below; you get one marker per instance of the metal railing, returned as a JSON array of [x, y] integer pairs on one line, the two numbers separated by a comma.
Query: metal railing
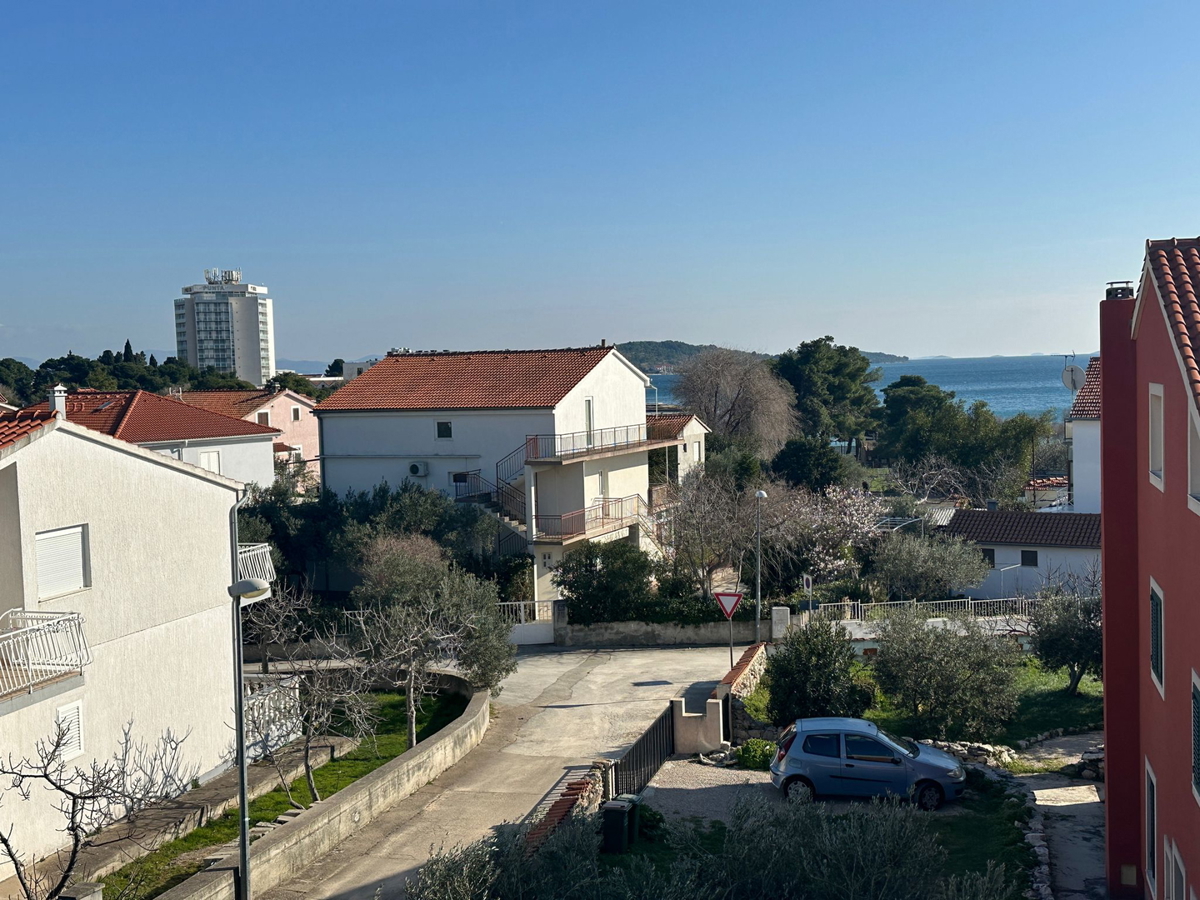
[[254, 561], [641, 762], [579, 443], [596, 519], [477, 489], [856, 611], [522, 612], [37, 648], [272, 711]]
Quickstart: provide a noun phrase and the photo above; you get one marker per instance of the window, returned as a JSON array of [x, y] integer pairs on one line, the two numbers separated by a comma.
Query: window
[[867, 749], [989, 557], [70, 719], [1156, 433], [685, 446], [445, 431], [295, 414], [1196, 736], [1176, 874], [1156, 637], [697, 446], [1029, 558], [458, 477], [211, 460], [298, 453], [822, 745], [264, 418], [62, 561], [1151, 827]]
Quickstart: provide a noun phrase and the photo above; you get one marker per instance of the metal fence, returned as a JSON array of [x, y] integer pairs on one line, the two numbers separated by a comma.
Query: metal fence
[[522, 612], [856, 611], [272, 711], [633, 771], [38, 647]]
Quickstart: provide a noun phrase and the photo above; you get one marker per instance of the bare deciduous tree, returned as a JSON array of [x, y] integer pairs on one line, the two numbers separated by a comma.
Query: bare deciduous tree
[[738, 396], [89, 798]]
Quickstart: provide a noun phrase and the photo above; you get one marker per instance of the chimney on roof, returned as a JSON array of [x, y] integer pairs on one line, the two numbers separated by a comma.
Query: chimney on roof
[[1118, 290], [58, 401], [603, 342], [993, 505]]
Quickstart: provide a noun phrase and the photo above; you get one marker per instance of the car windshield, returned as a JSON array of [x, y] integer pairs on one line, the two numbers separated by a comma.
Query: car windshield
[[911, 748]]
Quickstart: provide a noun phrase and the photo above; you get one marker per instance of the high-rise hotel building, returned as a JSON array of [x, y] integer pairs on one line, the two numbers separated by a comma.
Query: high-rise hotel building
[[228, 325]]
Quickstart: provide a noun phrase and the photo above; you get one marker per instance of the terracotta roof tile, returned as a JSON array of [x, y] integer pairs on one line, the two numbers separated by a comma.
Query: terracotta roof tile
[[1087, 401], [1175, 265], [237, 404], [487, 379], [1029, 529], [18, 424], [1048, 483], [140, 417], [674, 420]]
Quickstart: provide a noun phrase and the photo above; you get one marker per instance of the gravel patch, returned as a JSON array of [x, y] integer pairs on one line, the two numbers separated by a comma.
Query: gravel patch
[[688, 789]]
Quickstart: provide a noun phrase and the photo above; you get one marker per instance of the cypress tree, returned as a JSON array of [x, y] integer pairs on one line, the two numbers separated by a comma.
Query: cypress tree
[[128, 351]]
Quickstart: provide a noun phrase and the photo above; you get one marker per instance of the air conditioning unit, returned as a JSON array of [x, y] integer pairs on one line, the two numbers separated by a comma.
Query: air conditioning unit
[[418, 469]]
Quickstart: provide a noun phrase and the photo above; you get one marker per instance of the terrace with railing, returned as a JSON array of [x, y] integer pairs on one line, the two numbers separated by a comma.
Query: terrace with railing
[[254, 561], [602, 517], [549, 448], [40, 648]]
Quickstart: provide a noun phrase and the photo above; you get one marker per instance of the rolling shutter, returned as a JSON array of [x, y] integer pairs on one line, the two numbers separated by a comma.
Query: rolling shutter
[[1196, 736], [61, 561]]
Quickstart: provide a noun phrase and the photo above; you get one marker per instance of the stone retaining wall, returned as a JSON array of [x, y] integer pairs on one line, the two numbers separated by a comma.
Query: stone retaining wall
[[650, 634], [285, 850]]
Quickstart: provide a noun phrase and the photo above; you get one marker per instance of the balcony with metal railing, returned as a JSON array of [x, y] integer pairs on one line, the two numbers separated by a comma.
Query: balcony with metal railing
[[254, 561], [39, 648], [600, 518], [576, 445]]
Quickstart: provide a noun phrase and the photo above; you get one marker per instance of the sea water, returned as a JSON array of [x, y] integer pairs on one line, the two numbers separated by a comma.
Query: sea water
[[1009, 384]]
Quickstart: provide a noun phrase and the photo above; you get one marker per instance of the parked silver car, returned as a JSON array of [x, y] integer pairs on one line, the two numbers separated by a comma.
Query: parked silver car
[[839, 757]]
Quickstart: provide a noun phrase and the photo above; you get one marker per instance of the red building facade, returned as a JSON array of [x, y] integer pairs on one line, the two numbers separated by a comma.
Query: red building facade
[[1150, 503]]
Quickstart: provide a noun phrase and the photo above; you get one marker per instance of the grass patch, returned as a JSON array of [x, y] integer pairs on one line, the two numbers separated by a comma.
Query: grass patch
[[1044, 703], [172, 863], [984, 831]]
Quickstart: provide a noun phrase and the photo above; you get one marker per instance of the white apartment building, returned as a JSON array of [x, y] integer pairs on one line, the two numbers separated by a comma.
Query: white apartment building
[[554, 442], [228, 325], [1083, 430], [114, 565]]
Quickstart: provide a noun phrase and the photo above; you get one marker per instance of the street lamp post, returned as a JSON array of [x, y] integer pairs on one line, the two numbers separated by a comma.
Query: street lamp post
[[759, 497], [1002, 571], [243, 593]]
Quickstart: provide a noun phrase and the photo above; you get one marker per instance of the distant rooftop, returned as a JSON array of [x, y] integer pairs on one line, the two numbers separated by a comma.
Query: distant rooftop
[[1087, 401], [1028, 529]]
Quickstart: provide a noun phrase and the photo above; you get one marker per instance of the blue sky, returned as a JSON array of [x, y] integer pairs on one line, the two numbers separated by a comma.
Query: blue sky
[[924, 178]]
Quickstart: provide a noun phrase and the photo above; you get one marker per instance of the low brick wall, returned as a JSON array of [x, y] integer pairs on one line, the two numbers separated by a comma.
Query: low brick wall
[[280, 854], [651, 634]]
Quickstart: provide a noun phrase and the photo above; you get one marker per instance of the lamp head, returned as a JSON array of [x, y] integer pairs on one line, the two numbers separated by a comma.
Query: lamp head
[[249, 589], [760, 495]]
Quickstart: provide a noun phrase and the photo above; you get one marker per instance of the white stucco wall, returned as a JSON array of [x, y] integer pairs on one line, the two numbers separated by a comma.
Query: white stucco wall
[[250, 460], [618, 392], [361, 449], [1085, 465], [156, 612], [1026, 580]]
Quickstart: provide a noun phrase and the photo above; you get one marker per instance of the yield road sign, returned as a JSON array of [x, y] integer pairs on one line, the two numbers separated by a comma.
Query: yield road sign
[[728, 601]]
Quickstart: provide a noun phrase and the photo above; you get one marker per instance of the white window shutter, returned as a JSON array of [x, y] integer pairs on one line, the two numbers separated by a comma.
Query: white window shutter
[[70, 719], [61, 561]]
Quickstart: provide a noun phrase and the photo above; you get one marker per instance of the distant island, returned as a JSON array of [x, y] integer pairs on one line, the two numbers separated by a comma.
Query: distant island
[[659, 356]]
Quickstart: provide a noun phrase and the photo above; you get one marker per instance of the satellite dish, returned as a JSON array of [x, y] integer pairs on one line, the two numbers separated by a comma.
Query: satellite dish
[[1073, 378]]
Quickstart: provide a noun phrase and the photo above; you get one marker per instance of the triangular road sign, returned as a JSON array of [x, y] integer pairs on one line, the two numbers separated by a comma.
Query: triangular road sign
[[728, 601]]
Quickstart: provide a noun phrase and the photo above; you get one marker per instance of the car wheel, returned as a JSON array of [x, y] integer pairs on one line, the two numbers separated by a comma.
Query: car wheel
[[929, 795], [799, 790]]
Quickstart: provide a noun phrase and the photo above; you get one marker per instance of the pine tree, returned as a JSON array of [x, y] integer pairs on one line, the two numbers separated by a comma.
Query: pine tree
[[153, 362], [128, 351]]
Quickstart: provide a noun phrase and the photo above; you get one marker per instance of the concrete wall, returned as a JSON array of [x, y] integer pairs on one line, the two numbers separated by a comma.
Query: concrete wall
[[158, 547], [1085, 465], [280, 854], [646, 634], [691, 455], [1052, 562], [360, 450], [618, 390]]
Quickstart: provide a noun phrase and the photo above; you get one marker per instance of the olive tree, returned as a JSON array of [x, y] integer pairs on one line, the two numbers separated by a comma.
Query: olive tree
[[953, 678], [1066, 627], [913, 567]]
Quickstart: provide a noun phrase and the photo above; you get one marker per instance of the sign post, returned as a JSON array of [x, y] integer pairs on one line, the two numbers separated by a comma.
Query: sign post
[[728, 601], [808, 589]]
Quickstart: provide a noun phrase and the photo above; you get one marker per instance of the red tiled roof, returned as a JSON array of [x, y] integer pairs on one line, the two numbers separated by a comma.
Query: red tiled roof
[[1029, 529], [1175, 266], [676, 421], [1045, 484], [18, 424], [486, 379], [140, 417], [1087, 401], [237, 404]]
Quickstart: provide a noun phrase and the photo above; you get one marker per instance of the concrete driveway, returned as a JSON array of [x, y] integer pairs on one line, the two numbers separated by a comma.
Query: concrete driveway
[[562, 709]]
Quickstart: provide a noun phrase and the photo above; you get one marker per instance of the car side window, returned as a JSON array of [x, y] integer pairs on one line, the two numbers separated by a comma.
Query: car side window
[[822, 745], [867, 749]]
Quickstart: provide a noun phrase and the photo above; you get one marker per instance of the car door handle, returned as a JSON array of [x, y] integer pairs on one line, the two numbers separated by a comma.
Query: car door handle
[[849, 765]]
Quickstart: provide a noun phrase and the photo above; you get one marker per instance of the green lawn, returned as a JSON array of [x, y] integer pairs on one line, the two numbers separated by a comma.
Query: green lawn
[[984, 831], [163, 869]]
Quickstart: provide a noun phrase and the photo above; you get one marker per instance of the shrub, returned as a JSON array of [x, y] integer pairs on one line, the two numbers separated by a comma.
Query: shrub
[[607, 582], [757, 754], [955, 681], [912, 567], [1066, 633], [811, 674]]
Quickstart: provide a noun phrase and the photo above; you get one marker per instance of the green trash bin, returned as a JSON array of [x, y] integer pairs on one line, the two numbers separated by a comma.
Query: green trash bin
[[635, 806], [614, 826]]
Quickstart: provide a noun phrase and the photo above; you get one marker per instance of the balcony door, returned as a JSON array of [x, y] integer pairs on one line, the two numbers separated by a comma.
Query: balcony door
[[589, 422]]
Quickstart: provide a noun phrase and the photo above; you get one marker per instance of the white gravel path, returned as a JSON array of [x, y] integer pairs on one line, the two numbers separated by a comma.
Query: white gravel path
[[688, 789]]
